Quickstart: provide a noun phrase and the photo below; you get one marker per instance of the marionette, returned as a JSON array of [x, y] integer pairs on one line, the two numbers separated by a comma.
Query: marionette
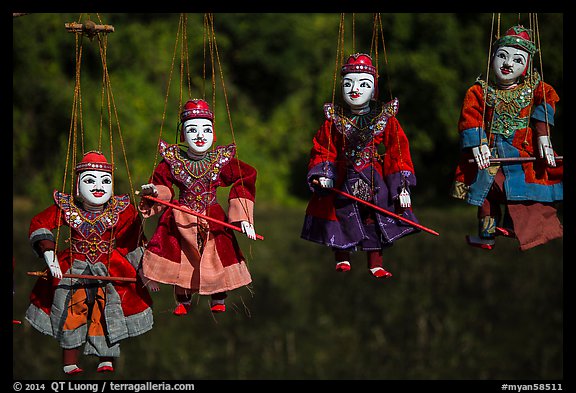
[[508, 167], [94, 296], [193, 247], [360, 166]]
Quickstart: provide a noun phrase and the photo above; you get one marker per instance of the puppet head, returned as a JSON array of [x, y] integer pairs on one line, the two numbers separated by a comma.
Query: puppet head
[[359, 81], [94, 179], [197, 126], [512, 55]]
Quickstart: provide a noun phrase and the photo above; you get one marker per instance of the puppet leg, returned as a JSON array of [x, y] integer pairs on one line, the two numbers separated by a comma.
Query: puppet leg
[[184, 299], [70, 360], [76, 318], [217, 303], [375, 264], [486, 233], [342, 260], [489, 215]]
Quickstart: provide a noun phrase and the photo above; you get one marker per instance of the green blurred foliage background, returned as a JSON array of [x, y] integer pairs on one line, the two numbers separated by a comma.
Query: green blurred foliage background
[[449, 312]]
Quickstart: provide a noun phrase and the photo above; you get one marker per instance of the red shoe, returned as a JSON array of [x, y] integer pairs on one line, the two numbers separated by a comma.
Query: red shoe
[[181, 309], [343, 266], [105, 368], [218, 307], [475, 241], [380, 272], [76, 370]]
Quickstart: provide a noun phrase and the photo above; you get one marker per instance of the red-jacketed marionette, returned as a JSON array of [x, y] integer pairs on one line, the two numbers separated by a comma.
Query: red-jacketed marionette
[[510, 119], [360, 149], [106, 241], [193, 254]]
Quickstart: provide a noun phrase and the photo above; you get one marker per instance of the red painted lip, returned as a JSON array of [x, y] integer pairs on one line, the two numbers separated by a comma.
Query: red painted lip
[[506, 71], [355, 95], [98, 194], [200, 143]]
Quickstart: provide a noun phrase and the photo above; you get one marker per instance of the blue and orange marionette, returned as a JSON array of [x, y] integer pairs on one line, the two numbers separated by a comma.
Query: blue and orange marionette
[[361, 198], [508, 167], [194, 248], [94, 295]]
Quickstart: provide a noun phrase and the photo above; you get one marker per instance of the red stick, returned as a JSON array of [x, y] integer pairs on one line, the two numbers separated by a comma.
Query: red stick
[[86, 276], [385, 211], [186, 210]]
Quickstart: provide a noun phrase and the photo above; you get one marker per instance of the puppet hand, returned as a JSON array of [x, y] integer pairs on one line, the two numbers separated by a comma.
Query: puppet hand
[[52, 261], [405, 198], [482, 156], [152, 285], [546, 151], [326, 182], [248, 229], [149, 189]]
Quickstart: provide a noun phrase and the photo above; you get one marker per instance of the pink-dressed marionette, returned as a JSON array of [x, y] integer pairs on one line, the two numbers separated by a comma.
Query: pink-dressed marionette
[[510, 119], [106, 240], [186, 251], [345, 157]]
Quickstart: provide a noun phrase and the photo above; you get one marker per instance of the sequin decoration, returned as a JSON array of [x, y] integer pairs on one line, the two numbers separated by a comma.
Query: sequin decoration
[[508, 104], [200, 178]]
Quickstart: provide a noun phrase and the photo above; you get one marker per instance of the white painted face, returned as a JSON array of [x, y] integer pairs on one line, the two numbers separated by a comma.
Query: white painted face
[[95, 187], [358, 89], [199, 134], [509, 64]]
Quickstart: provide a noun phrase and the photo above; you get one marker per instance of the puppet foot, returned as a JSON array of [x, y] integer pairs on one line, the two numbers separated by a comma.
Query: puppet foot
[[217, 306], [343, 266], [380, 272], [506, 232], [105, 367], [475, 241], [152, 285], [72, 369], [181, 309]]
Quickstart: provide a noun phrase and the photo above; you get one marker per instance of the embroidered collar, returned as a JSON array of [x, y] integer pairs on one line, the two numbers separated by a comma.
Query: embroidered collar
[[378, 113], [87, 222], [188, 170]]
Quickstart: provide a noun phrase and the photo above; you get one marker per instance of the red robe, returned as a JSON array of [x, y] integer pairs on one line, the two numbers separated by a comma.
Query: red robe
[[105, 244]]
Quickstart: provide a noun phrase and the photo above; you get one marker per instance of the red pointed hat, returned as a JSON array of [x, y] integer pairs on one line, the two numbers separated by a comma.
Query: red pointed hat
[[196, 108], [94, 161], [359, 62]]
